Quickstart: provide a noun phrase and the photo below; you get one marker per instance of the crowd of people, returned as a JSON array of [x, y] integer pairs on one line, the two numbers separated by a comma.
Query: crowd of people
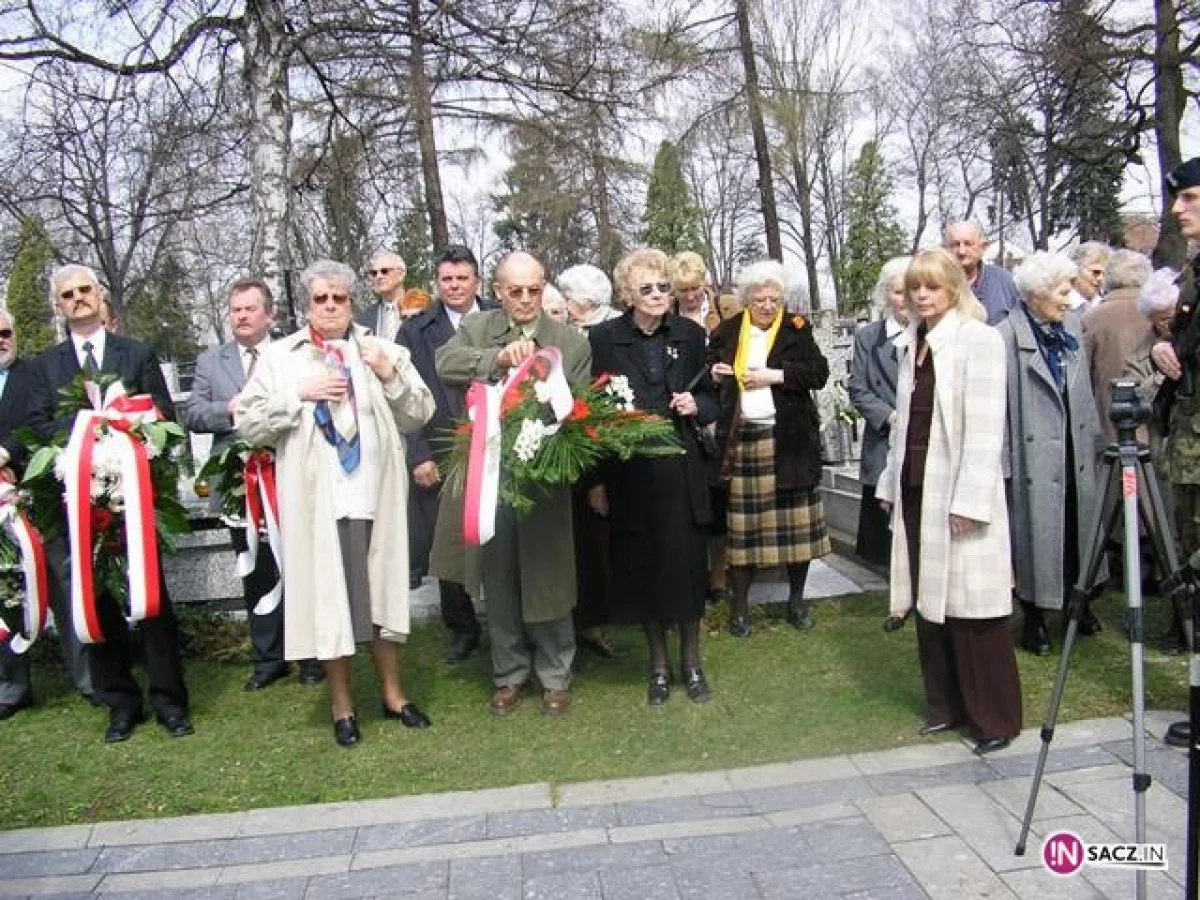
[[983, 395]]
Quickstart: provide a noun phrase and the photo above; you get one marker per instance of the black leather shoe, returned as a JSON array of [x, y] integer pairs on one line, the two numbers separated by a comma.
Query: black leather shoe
[[409, 716], [1089, 625], [415, 581], [659, 691], [462, 644], [121, 725], [696, 686], [1035, 637], [1179, 735], [801, 619], [739, 627], [176, 726], [264, 678], [311, 672], [345, 732], [991, 745], [935, 728], [8, 710]]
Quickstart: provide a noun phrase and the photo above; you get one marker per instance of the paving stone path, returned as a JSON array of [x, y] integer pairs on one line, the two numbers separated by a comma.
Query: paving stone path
[[929, 821]]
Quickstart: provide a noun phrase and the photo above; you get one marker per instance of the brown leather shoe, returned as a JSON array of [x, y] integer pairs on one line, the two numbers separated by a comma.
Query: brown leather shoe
[[556, 702], [505, 700]]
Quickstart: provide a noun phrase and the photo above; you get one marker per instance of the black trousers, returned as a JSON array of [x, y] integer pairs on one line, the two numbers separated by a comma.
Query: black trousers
[[266, 631], [112, 660], [422, 519]]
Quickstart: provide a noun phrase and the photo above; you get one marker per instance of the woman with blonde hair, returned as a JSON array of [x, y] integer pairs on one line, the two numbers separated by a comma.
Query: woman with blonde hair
[[944, 485], [688, 276]]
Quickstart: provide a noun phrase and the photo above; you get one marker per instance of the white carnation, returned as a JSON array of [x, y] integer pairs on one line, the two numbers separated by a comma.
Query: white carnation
[[106, 456], [619, 387], [60, 466], [529, 439], [541, 390]]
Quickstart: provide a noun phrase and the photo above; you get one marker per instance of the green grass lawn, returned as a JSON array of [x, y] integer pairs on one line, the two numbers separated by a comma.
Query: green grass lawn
[[780, 695]]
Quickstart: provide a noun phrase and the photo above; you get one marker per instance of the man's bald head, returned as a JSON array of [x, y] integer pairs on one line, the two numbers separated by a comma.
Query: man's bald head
[[966, 243], [520, 280]]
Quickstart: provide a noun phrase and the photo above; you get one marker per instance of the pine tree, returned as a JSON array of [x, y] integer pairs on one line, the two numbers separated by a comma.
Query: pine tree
[[161, 315], [28, 289], [873, 234], [671, 221], [415, 246]]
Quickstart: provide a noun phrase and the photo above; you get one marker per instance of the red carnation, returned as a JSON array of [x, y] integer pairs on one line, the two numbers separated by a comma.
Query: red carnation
[[102, 519], [601, 380], [580, 410], [592, 433]]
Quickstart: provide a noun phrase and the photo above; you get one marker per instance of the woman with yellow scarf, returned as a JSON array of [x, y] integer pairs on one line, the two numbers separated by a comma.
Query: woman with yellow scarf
[[767, 364]]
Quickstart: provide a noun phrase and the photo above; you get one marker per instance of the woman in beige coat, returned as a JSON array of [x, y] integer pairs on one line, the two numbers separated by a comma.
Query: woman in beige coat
[[943, 483], [333, 402]]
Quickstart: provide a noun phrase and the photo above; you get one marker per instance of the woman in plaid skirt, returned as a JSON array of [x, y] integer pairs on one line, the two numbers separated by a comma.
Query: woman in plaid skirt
[[767, 365]]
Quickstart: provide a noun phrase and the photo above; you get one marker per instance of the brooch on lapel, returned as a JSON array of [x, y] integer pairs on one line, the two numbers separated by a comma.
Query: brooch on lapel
[[799, 322], [673, 352]]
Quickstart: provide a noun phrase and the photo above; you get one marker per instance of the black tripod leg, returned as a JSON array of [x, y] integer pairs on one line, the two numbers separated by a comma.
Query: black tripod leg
[[1192, 882], [1102, 526]]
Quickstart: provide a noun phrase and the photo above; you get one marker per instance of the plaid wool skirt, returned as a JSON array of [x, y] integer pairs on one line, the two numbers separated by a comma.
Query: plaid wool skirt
[[768, 527]]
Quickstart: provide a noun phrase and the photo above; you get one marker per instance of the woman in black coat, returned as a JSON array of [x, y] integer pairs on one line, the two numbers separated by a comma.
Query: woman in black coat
[[658, 506], [767, 365]]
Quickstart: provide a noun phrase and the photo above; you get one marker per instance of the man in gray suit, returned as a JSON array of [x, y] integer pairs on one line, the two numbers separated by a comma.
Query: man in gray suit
[[221, 373], [872, 389]]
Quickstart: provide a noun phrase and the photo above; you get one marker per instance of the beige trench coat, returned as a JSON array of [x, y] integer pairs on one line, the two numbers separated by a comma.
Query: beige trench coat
[[968, 576], [270, 413]]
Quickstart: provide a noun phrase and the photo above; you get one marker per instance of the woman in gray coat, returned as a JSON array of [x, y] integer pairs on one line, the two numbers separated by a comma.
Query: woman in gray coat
[[1054, 436]]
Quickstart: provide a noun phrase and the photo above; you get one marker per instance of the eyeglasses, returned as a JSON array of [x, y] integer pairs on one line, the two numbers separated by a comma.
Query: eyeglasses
[[6, 334], [662, 287], [339, 299], [516, 292], [83, 290], [374, 272]]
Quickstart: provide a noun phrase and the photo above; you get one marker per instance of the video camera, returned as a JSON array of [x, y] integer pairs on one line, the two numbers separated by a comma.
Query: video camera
[[1126, 409]]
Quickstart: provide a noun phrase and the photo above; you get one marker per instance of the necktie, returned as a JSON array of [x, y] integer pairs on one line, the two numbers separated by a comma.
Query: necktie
[[253, 354], [90, 367], [338, 422]]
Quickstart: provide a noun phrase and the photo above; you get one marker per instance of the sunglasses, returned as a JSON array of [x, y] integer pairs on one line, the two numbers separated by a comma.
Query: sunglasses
[[663, 287], [339, 299], [6, 334], [83, 290], [374, 272], [514, 292]]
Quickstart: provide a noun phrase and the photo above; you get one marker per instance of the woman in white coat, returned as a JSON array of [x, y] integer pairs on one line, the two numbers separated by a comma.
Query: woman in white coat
[[944, 484], [333, 402]]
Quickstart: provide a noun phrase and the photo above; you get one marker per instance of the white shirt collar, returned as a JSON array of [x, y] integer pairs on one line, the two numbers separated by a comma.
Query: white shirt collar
[[456, 317], [892, 327]]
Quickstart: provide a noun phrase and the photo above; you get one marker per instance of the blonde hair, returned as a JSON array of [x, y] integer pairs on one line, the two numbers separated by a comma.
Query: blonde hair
[[687, 267], [638, 258], [937, 268]]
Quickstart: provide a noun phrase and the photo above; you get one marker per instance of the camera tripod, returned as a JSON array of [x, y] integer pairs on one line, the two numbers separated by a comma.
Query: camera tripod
[[1127, 471]]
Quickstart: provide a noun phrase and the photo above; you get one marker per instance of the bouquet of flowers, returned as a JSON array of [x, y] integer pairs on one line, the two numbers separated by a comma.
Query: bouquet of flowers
[[24, 588], [226, 473], [109, 480], [540, 449]]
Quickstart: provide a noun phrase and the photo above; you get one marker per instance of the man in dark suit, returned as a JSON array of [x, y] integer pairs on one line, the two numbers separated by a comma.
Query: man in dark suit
[[16, 692], [383, 317], [221, 373], [457, 274], [78, 294], [872, 390]]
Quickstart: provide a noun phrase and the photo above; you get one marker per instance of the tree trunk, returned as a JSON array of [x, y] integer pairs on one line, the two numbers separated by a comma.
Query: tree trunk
[[435, 204], [762, 151], [808, 244], [1171, 249], [266, 50]]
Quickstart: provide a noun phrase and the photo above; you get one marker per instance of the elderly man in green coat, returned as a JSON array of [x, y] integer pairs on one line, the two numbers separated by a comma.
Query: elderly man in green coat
[[529, 565]]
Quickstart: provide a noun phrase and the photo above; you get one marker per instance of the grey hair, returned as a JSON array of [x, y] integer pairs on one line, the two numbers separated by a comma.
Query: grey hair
[[586, 284], [62, 273], [1126, 269], [1091, 251], [761, 274], [1042, 272], [552, 295], [379, 254], [967, 223], [326, 270], [892, 269], [1159, 293]]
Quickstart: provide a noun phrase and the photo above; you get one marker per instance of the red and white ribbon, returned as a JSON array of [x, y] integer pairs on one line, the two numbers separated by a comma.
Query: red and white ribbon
[[33, 568], [116, 412], [484, 405], [262, 512]]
